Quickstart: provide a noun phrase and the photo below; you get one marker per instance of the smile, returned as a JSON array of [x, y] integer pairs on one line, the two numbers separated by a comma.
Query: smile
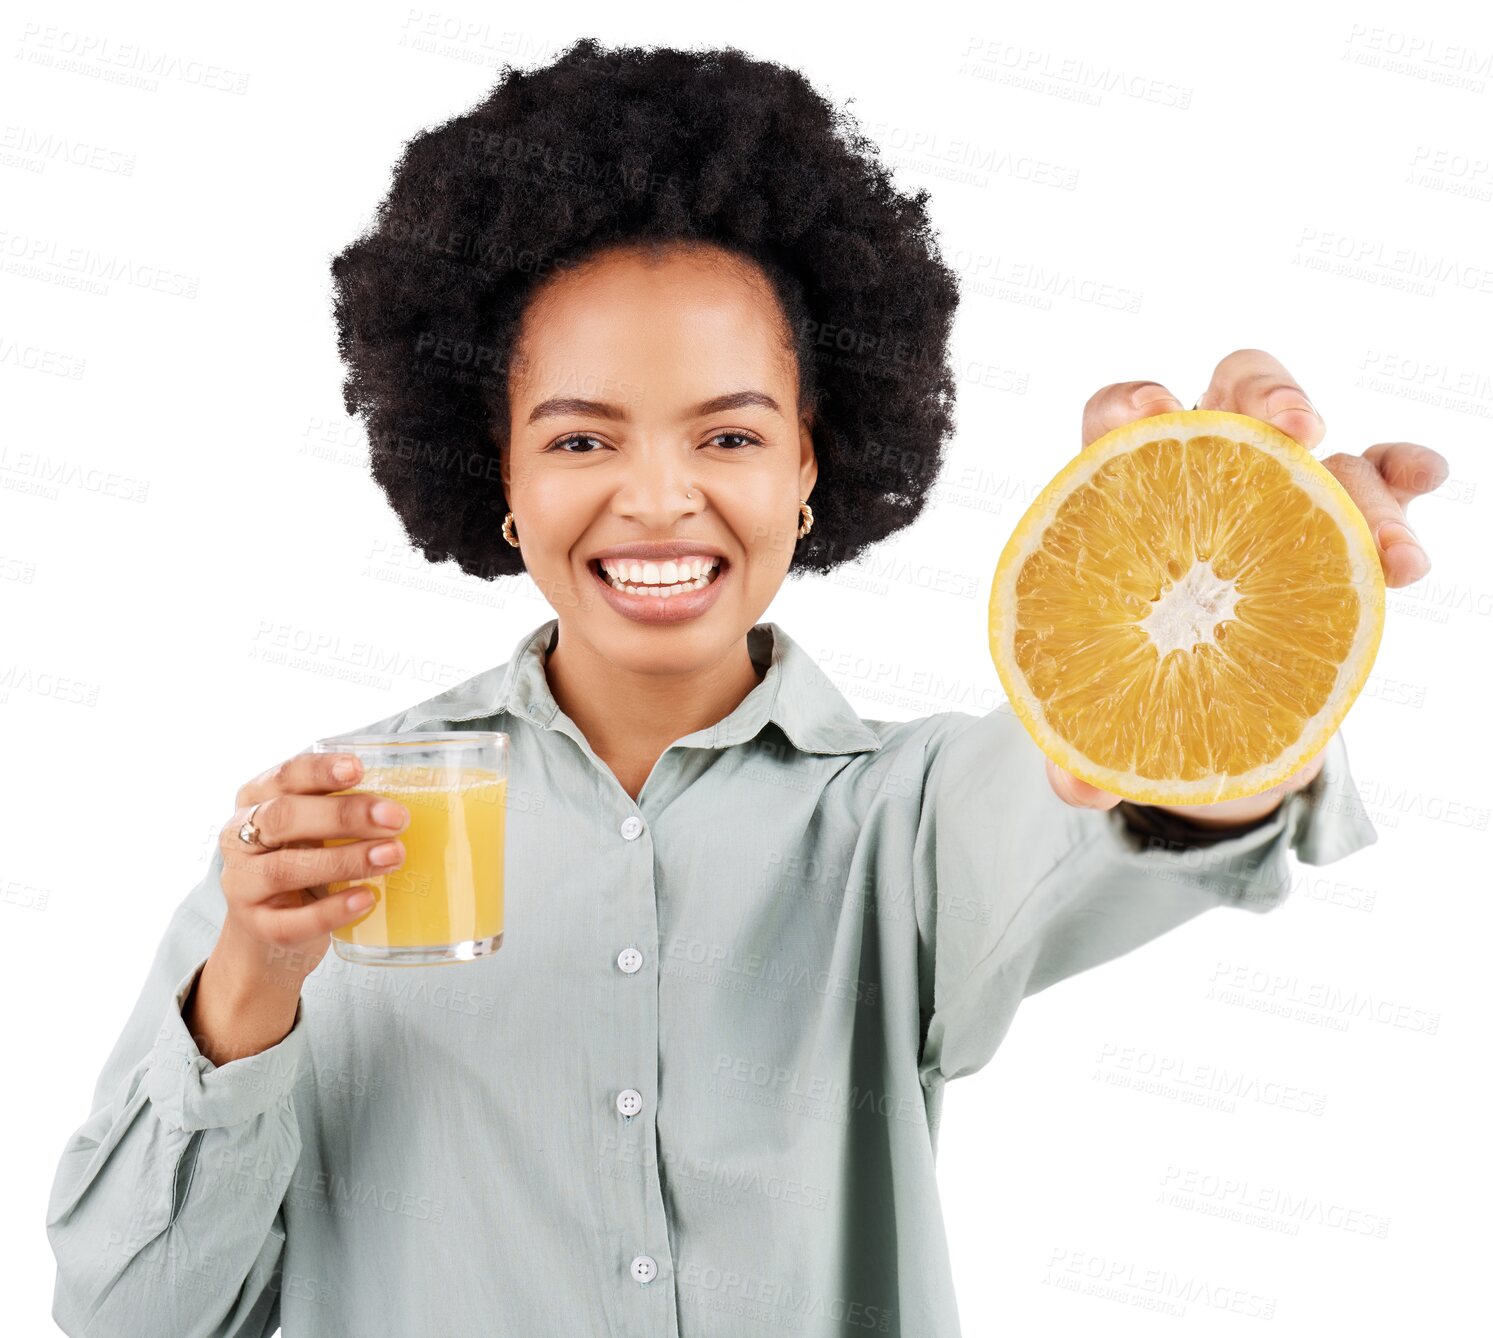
[[640, 590], [662, 580]]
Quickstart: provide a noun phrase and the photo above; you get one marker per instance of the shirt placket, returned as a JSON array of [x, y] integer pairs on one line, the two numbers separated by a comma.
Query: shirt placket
[[627, 1071]]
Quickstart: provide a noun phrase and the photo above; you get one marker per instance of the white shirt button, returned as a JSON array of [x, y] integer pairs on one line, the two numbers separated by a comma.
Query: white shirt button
[[629, 1102], [644, 1269], [629, 960], [632, 826]]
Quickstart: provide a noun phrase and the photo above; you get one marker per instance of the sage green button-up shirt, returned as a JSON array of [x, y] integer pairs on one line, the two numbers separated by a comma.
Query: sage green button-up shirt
[[695, 1093]]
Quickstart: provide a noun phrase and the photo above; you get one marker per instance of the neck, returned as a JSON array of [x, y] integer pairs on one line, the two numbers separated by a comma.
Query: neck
[[629, 718]]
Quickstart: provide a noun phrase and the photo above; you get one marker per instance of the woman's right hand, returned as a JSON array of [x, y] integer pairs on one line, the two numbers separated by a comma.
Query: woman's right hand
[[280, 915]]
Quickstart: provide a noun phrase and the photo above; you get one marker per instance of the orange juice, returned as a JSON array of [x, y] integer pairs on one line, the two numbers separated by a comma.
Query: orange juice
[[449, 890]]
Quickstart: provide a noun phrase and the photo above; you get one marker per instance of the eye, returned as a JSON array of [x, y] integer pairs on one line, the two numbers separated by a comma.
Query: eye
[[740, 440], [745, 438], [574, 436]]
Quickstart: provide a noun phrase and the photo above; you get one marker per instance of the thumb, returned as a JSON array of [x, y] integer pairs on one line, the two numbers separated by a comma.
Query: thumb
[[1077, 792]]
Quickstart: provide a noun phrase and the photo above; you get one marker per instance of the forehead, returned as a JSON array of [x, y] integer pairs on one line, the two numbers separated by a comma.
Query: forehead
[[682, 315]]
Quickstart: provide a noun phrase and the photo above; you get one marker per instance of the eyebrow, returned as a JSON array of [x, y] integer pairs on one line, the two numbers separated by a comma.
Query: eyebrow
[[564, 405]]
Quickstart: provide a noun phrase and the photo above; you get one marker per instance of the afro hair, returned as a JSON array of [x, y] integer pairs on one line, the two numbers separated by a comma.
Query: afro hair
[[607, 147]]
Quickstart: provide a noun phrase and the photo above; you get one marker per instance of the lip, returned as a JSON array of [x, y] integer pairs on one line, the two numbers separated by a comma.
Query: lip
[[662, 551], [655, 608]]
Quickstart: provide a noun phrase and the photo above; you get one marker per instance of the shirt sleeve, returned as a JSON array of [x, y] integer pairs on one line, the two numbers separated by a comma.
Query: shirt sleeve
[[1015, 890], [165, 1210]]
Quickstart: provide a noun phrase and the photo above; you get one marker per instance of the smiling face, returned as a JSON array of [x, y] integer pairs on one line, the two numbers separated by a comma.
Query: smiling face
[[639, 377]]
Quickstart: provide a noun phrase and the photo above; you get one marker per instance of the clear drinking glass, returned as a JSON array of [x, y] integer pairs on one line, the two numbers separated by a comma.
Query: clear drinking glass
[[445, 902]]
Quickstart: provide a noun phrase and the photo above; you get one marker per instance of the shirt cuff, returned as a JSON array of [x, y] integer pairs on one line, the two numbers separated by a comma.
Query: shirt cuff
[[1148, 821], [1322, 822], [190, 1092]]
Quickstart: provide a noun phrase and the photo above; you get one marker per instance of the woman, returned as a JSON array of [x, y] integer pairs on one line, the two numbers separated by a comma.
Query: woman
[[615, 328]]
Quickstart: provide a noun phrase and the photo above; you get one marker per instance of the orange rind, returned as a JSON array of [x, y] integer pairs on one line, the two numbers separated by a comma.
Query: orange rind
[[1186, 612]]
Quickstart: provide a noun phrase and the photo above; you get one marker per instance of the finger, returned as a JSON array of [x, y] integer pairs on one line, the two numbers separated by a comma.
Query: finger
[[1403, 559], [1250, 381], [1077, 792], [291, 819], [305, 773], [1122, 403], [1409, 470], [261, 877], [303, 923]]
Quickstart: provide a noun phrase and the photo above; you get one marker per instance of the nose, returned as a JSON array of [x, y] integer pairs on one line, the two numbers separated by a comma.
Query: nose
[[656, 490]]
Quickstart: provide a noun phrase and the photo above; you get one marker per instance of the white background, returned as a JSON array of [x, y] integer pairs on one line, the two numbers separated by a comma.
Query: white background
[[181, 490]]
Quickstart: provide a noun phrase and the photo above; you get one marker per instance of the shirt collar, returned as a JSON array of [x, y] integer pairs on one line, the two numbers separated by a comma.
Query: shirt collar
[[795, 694]]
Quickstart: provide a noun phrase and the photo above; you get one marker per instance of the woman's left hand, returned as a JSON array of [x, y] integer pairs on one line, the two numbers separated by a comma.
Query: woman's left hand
[[1382, 481]]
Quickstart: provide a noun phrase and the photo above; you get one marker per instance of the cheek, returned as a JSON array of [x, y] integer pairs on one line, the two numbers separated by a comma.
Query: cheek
[[557, 504], [760, 494], [763, 520]]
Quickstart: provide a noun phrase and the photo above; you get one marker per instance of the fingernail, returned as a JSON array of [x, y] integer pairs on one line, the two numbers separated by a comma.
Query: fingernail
[[387, 853], [1146, 396], [1287, 400], [345, 771], [1392, 533], [388, 814]]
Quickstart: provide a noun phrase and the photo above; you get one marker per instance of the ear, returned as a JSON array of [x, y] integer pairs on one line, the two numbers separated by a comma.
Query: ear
[[808, 469]]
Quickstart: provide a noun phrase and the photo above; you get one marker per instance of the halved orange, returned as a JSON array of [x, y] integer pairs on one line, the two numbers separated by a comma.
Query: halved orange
[[1186, 612]]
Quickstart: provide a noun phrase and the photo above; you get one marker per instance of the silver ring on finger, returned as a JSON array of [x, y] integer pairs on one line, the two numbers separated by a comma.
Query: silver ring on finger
[[248, 833]]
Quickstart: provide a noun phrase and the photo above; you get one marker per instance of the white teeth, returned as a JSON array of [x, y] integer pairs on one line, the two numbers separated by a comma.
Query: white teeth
[[671, 572], [662, 580]]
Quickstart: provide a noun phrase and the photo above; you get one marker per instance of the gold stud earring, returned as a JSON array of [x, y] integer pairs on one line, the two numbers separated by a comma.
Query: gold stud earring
[[806, 519], [508, 532]]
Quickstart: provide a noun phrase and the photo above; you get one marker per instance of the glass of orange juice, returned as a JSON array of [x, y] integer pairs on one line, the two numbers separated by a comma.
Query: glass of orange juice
[[445, 902]]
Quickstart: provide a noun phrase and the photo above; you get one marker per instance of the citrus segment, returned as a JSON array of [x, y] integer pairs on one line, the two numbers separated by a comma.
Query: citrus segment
[[1186, 612]]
